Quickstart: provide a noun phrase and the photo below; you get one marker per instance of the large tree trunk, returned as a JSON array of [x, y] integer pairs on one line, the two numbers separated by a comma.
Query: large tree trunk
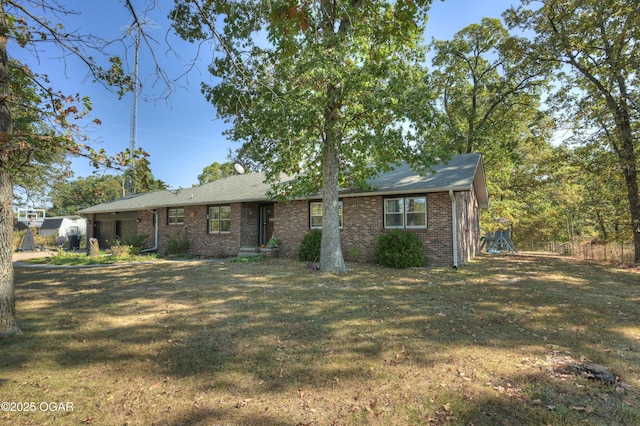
[[8, 325], [331, 259], [629, 160], [625, 149]]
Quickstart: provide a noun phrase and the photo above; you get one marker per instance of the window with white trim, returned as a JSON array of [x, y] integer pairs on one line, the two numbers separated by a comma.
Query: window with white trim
[[219, 219], [315, 214], [405, 212], [175, 216]]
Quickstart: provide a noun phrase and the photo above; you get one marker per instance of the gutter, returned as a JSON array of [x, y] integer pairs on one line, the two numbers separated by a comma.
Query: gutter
[[155, 240], [454, 227]]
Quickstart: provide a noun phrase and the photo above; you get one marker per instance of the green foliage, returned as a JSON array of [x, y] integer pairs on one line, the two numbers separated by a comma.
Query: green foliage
[[40, 241], [70, 196], [339, 91], [38, 156], [48, 124], [309, 249], [249, 259], [40, 124], [489, 92], [136, 243], [177, 244], [592, 47], [490, 103], [63, 258], [400, 249], [354, 253], [215, 171], [119, 250], [273, 242]]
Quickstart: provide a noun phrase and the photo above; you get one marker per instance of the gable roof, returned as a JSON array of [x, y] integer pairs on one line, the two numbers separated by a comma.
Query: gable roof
[[462, 173], [55, 222]]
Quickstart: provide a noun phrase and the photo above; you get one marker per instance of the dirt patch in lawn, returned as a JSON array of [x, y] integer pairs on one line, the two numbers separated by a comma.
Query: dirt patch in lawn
[[176, 343]]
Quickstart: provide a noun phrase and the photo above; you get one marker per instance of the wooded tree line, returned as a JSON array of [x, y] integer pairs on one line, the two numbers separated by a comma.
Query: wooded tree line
[[335, 91]]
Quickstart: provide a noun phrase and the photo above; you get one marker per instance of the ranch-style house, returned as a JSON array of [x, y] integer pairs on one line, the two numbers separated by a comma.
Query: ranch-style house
[[233, 214]]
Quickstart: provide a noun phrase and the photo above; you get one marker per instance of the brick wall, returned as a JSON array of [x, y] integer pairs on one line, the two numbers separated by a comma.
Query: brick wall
[[195, 230], [468, 219], [146, 226], [291, 224], [364, 222], [439, 239]]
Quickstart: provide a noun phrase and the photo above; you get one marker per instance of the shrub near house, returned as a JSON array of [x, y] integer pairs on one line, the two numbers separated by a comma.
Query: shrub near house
[[400, 249]]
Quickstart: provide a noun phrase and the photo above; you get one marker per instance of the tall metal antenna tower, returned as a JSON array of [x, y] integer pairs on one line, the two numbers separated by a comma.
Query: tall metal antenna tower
[[135, 28]]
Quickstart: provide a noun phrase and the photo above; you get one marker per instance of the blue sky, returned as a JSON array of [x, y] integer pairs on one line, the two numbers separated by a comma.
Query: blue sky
[[182, 134]]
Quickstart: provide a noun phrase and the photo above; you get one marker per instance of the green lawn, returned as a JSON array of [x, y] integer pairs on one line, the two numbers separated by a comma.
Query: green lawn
[[271, 343]]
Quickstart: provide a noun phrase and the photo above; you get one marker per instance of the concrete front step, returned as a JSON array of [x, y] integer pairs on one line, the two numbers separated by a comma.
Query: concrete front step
[[257, 251], [249, 251]]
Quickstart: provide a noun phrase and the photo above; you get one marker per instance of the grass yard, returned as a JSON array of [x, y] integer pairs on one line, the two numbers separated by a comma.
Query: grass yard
[[270, 343]]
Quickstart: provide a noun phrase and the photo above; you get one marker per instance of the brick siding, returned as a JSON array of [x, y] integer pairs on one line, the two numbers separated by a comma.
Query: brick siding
[[363, 223]]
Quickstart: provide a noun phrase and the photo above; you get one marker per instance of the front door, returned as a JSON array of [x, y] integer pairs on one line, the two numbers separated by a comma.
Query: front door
[[266, 223]]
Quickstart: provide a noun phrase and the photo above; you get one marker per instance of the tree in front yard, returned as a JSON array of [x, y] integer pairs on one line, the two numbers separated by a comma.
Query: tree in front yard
[[56, 119], [331, 92], [593, 45], [490, 97]]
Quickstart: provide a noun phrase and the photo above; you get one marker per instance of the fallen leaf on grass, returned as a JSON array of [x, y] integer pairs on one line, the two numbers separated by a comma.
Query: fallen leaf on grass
[[243, 403], [88, 420]]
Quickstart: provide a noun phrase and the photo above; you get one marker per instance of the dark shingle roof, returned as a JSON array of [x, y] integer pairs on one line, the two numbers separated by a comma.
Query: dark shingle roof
[[53, 223], [462, 173]]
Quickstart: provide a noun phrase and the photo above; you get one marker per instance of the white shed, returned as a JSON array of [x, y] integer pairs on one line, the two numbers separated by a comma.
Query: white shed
[[64, 226]]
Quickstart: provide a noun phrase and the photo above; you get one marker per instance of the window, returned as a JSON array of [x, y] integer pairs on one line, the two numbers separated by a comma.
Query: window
[[219, 219], [406, 212], [175, 216], [394, 213], [416, 211], [315, 214]]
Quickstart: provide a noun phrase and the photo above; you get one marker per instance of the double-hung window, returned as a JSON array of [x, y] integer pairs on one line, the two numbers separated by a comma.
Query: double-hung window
[[219, 219], [405, 212], [175, 216], [315, 214]]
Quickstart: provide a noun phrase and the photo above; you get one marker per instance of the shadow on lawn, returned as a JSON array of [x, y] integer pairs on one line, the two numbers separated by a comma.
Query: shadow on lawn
[[274, 328]]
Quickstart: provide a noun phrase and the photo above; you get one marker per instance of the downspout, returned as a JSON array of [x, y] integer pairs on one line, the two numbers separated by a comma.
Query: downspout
[[155, 240], [454, 227]]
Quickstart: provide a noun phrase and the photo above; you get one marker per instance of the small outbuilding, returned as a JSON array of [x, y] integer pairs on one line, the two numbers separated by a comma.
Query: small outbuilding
[[72, 227]]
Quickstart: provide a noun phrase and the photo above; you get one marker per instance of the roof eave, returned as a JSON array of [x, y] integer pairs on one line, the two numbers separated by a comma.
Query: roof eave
[[480, 185], [406, 191]]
